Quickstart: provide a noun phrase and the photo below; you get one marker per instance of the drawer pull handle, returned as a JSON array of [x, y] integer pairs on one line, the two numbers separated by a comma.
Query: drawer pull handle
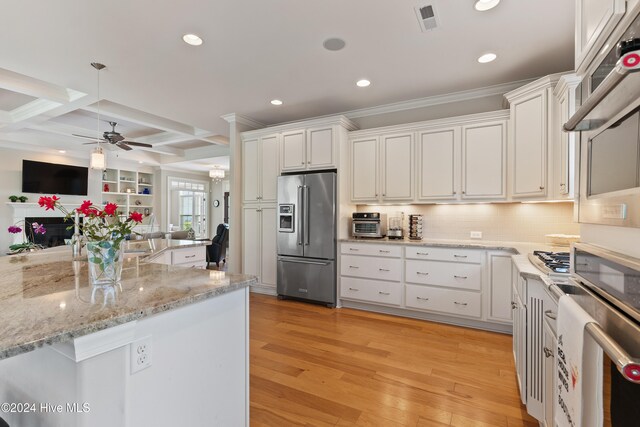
[[547, 352], [460, 256], [353, 289], [353, 266], [422, 253], [550, 314], [384, 293], [383, 269], [460, 303], [384, 252], [422, 299], [460, 277], [354, 249], [421, 273], [190, 256]]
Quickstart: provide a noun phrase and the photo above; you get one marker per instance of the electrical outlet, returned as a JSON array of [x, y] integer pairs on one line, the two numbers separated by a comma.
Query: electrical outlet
[[140, 354], [476, 234]]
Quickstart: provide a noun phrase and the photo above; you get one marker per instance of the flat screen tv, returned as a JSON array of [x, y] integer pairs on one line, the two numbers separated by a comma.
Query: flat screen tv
[[49, 178]]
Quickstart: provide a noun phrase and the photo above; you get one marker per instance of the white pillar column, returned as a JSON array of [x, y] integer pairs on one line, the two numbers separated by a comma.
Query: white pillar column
[[237, 125]]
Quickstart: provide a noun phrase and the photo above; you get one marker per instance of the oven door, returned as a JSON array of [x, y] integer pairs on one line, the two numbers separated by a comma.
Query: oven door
[[610, 174]]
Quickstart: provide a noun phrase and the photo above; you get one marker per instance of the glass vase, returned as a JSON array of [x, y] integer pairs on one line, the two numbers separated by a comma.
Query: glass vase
[[105, 263]]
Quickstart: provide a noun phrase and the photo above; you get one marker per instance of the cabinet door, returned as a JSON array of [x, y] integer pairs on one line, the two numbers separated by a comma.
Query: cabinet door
[[550, 374], [484, 161], [500, 281], [251, 241], [397, 167], [563, 184], [268, 252], [250, 168], [321, 148], [595, 19], [529, 141], [364, 170], [269, 170], [293, 150], [437, 166]]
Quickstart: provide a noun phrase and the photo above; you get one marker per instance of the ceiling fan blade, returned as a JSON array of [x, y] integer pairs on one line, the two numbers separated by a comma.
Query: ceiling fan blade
[[137, 144], [88, 137], [91, 143], [124, 146]]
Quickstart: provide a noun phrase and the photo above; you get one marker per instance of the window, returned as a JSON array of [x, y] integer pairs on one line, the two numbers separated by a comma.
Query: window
[[188, 206]]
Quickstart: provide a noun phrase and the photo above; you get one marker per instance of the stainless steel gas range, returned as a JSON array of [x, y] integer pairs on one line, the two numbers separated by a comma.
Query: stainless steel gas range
[[556, 265]]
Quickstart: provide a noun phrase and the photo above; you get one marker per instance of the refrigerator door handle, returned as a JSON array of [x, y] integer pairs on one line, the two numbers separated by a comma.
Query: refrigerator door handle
[[303, 261], [305, 190], [301, 216]]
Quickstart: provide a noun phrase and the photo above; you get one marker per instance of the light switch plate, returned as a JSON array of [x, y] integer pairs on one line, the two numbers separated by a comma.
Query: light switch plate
[[476, 234]]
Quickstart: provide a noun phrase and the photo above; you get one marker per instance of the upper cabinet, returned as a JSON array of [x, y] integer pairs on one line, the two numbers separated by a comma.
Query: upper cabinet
[[564, 151], [313, 148], [448, 159], [533, 128], [595, 20], [260, 163]]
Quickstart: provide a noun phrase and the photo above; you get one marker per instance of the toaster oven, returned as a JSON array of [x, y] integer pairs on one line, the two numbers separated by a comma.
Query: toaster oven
[[368, 224]]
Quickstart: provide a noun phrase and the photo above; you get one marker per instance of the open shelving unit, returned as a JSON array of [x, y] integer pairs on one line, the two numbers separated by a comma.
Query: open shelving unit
[[131, 191]]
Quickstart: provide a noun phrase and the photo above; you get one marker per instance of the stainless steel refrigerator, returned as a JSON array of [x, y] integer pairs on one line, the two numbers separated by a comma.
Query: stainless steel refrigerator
[[307, 237]]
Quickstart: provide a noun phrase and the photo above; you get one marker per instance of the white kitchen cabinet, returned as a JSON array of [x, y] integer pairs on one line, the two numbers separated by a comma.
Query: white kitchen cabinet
[[364, 170], [447, 274], [484, 160], [259, 255], [306, 149], [550, 372], [595, 20], [533, 130], [260, 164], [374, 291], [519, 343], [564, 148], [397, 167], [447, 301], [438, 170], [500, 297], [371, 268]]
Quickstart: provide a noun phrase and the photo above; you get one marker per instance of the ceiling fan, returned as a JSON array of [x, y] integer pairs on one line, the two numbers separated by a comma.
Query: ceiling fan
[[115, 138]]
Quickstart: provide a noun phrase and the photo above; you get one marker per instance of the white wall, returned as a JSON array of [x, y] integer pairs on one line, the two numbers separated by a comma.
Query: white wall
[[217, 193]]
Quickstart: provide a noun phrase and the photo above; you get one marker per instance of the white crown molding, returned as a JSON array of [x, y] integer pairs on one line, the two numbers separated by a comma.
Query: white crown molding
[[544, 82], [243, 120], [430, 101], [340, 120], [568, 81]]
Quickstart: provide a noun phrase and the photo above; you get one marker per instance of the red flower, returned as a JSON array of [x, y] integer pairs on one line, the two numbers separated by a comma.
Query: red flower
[[110, 208], [85, 207], [135, 216], [48, 202]]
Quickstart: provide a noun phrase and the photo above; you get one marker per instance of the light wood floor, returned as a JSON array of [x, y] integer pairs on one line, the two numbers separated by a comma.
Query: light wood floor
[[314, 366]]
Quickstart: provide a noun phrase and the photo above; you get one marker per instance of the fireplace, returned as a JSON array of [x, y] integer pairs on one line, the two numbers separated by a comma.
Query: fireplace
[[56, 230]]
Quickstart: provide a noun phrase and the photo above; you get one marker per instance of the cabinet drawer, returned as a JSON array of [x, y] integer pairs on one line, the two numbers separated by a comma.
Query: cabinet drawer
[[445, 254], [450, 274], [371, 250], [371, 290], [188, 255], [459, 303], [371, 268]]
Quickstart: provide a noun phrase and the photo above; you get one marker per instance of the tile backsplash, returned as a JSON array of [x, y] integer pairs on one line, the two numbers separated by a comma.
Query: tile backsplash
[[514, 222]]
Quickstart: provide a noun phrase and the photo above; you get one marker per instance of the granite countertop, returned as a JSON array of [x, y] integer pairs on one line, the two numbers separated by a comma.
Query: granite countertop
[[45, 296]]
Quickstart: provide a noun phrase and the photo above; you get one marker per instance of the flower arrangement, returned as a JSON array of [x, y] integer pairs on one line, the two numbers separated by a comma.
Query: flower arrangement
[[99, 224], [26, 245]]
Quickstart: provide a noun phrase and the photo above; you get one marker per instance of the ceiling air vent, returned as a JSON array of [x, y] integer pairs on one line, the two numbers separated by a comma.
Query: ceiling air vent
[[426, 17]]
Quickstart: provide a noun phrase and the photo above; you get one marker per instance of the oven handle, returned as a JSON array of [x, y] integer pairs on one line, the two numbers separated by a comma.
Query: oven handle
[[613, 79], [628, 366]]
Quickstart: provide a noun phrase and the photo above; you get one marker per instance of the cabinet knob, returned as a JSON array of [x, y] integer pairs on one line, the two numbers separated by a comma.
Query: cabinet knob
[[376, 194], [464, 192], [542, 187], [454, 193], [548, 352], [513, 305], [302, 163], [309, 163], [383, 195]]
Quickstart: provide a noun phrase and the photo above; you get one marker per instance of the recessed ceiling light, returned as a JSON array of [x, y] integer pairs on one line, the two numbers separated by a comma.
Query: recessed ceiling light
[[140, 162], [334, 44], [363, 83], [487, 57], [61, 151], [483, 5], [192, 39], [276, 102]]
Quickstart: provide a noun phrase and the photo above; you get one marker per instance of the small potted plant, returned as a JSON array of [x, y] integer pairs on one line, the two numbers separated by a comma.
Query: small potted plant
[[23, 199], [13, 199], [27, 245]]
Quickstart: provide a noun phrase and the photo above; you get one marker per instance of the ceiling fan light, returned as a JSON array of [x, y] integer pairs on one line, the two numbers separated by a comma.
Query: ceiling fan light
[[98, 160]]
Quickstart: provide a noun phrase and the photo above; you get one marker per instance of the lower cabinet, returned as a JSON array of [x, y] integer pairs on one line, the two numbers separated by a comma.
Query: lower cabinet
[[454, 282], [259, 244], [194, 257]]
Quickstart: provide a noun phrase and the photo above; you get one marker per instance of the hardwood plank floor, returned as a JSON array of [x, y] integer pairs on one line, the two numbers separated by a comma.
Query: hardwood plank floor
[[315, 366]]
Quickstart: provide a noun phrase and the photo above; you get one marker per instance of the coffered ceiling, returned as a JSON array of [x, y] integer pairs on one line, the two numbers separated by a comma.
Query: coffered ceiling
[[165, 92]]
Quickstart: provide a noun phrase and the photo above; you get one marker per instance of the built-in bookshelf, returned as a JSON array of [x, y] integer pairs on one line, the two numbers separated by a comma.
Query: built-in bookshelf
[[131, 191]]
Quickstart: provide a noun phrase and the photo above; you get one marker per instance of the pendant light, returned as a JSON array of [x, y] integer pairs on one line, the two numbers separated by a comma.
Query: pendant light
[[98, 159]]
